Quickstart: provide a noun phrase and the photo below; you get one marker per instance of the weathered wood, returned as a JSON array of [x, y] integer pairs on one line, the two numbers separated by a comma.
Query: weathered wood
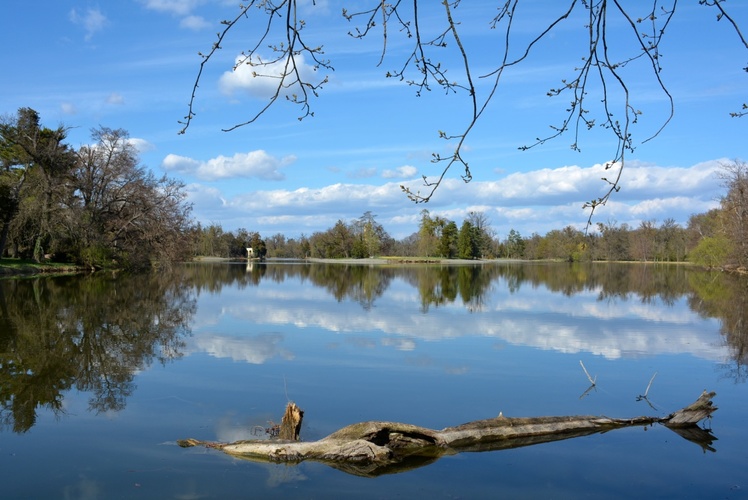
[[290, 427], [693, 413], [375, 448]]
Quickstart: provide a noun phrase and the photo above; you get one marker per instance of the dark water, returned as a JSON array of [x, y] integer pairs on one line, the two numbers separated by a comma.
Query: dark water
[[100, 375]]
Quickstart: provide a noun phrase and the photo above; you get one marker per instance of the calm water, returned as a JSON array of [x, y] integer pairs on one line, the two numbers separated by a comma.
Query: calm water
[[100, 375]]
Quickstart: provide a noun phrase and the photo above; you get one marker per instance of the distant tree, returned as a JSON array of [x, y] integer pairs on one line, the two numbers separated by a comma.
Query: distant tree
[[449, 241], [671, 241], [277, 246], [620, 48], [429, 234], [257, 244], [566, 244], [643, 240], [468, 242], [485, 233], [533, 247], [734, 207], [335, 243], [613, 242], [211, 242], [515, 245], [407, 247], [369, 234]]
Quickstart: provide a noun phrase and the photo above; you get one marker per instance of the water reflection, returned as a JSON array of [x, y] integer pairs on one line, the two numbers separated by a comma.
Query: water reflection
[[94, 333], [522, 304], [725, 297], [91, 333]]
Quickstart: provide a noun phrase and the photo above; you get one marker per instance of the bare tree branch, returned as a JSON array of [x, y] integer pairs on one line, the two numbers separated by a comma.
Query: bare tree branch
[[602, 73]]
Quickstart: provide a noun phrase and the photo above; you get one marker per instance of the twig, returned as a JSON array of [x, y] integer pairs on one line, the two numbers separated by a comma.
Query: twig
[[646, 392], [592, 381], [650, 384], [589, 389]]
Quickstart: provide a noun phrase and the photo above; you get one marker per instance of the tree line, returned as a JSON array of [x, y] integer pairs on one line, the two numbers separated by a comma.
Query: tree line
[[717, 238], [98, 206], [95, 205]]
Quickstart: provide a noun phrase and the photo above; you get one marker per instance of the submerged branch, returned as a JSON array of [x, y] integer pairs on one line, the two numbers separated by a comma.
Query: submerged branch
[[375, 448]]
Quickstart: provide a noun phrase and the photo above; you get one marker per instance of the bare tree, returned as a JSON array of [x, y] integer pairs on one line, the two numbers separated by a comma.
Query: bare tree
[[126, 213], [735, 208], [617, 37]]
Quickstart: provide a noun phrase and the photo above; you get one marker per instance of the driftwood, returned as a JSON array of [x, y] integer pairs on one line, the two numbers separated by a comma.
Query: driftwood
[[376, 448], [290, 428]]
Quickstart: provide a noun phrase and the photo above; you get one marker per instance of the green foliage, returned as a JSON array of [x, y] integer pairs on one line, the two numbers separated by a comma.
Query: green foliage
[[96, 256], [95, 205], [515, 245], [711, 251], [449, 241], [468, 243]]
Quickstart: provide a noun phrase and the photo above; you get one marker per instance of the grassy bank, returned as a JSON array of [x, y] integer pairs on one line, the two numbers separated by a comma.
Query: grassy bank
[[27, 266]]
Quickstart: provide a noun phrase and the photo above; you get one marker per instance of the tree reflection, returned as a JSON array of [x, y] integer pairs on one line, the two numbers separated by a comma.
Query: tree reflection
[[725, 297], [713, 295], [90, 333]]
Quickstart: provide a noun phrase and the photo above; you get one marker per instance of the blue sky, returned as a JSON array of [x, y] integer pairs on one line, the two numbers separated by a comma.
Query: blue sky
[[131, 65]]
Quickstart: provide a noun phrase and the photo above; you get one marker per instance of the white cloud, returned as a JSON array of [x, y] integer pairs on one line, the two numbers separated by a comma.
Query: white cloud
[[182, 9], [260, 79], [176, 7], [180, 164], [404, 172], [141, 145], [527, 202], [92, 21], [258, 164], [195, 23]]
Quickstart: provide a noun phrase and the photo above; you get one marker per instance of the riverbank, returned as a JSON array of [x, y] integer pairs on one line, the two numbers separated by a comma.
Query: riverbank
[[22, 267], [408, 260]]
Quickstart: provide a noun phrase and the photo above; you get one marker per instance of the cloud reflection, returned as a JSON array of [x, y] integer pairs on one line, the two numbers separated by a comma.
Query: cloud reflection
[[256, 349], [587, 320]]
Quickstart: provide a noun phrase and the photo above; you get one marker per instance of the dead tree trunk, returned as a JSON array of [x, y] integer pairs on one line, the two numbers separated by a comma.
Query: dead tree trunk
[[375, 448]]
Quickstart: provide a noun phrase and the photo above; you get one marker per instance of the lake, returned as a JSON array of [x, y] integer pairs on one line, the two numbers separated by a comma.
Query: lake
[[101, 374]]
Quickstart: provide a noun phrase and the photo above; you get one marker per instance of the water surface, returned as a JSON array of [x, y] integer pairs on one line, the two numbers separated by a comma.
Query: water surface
[[100, 375]]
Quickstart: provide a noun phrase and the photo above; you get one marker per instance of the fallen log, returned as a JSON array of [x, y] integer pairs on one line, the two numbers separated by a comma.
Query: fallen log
[[375, 448]]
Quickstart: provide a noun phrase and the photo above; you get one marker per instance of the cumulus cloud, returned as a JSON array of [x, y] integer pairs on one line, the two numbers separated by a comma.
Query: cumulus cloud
[[92, 21], [258, 164], [404, 172], [259, 79], [141, 144], [337, 197], [533, 201], [183, 9]]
